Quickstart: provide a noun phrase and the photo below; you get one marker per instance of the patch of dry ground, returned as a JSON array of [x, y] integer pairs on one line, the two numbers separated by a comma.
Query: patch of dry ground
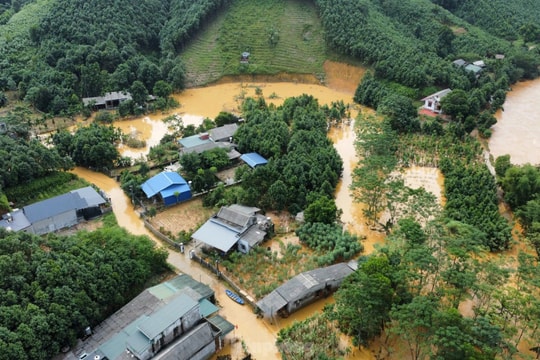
[[187, 216]]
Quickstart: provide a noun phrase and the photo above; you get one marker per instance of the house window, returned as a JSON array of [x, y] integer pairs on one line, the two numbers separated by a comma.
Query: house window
[[430, 104]]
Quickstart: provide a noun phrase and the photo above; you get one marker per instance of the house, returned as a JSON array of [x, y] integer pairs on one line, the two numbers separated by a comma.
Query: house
[[433, 101], [109, 101], [166, 321], [253, 159], [479, 63], [474, 69], [56, 213], [244, 57], [235, 225], [459, 62], [220, 137], [223, 133], [303, 289], [169, 186]]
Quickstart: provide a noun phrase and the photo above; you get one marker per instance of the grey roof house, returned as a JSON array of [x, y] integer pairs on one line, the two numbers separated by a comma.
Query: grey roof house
[[220, 137], [165, 321], [303, 289], [109, 101], [236, 225], [56, 213]]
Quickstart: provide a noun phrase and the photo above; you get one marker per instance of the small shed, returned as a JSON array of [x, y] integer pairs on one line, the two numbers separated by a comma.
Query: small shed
[[474, 69], [244, 57], [459, 62], [303, 289], [169, 186], [253, 159]]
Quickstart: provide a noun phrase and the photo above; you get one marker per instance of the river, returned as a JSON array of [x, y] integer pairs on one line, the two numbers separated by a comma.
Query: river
[[517, 131]]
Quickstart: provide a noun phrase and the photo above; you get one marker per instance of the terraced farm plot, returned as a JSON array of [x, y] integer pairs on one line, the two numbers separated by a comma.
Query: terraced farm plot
[[280, 35]]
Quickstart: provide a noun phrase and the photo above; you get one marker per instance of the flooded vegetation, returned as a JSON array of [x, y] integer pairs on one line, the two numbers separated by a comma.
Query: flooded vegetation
[[251, 333]]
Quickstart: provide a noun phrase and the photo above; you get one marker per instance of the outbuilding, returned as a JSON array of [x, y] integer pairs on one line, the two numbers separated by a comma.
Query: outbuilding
[[303, 289], [169, 186], [253, 159]]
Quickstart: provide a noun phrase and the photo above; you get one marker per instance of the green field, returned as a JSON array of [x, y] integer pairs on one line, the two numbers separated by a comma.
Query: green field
[[247, 25]]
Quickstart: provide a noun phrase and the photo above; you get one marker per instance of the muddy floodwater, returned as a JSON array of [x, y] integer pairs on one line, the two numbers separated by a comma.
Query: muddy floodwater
[[517, 131]]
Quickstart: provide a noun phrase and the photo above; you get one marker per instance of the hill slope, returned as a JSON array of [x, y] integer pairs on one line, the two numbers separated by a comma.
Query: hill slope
[[281, 36]]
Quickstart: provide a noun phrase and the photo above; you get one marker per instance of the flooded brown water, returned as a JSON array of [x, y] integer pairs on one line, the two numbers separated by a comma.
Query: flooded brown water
[[517, 131]]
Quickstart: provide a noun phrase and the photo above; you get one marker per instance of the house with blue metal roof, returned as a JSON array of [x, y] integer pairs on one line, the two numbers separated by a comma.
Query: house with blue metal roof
[[56, 213], [169, 186], [253, 159]]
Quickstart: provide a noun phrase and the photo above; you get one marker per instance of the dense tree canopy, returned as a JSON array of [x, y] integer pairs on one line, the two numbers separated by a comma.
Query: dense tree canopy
[[52, 288], [92, 146], [302, 160]]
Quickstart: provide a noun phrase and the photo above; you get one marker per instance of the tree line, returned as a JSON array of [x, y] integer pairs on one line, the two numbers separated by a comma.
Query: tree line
[[83, 49]]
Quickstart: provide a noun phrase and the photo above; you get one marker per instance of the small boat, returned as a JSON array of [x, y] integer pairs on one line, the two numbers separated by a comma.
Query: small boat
[[234, 296]]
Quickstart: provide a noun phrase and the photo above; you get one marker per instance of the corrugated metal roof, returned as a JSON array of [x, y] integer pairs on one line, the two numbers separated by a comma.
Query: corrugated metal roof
[[223, 325], [171, 190], [253, 236], [223, 132], [53, 206], [192, 141], [190, 344], [18, 221], [438, 95], [115, 346], [164, 317], [184, 281], [110, 96], [253, 159], [300, 285], [89, 196], [216, 235], [233, 217], [162, 181], [207, 308], [248, 210], [272, 303]]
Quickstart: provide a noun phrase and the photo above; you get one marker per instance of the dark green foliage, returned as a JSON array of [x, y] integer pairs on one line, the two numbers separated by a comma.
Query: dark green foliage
[[472, 198], [330, 240], [22, 161], [302, 159], [56, 286], [321, 210], [92, 146], [520, 184], [88, 48], [3, 99], [225, 118], [364, 300], [502, 163]]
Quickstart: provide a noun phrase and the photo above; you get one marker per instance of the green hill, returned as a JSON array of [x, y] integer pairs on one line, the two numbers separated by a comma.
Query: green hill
[[55, 52], [281, 36]]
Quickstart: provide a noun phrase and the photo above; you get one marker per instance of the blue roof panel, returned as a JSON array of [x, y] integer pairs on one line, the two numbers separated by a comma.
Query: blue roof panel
[[253, 159], [161, 182]]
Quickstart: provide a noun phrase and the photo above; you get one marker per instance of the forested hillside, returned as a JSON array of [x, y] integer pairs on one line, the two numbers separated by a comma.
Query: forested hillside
[[54, 52], [507, 19], [77, 49]]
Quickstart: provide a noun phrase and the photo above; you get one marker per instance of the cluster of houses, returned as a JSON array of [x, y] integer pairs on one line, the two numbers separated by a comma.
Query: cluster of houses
[[56, 213], [177, 319]]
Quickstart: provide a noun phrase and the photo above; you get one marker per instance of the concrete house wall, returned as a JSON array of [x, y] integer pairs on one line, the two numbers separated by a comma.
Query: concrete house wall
[[53, 223]]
